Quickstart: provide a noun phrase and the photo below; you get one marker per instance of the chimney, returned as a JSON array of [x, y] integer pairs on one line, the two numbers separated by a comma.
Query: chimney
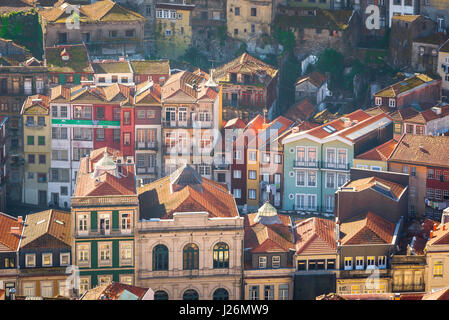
[[445, 216], [437, 110], [444, 227], [19, 219], [434, 227]]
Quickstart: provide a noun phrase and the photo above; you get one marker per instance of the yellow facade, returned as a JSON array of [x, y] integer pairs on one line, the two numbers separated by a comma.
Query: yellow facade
[[173, 30], [44, 286], [253, 184], [37, 153], [370, 164], [365, 285], [248, 19], [276, 282], [443, 59]]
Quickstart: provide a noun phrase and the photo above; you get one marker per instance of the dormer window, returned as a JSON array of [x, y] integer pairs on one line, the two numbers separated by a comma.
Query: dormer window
[[233, 77], [262, 262]]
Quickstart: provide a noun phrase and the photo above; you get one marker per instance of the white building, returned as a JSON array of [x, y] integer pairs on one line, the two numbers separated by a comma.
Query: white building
[[110, 72], [402, 7]]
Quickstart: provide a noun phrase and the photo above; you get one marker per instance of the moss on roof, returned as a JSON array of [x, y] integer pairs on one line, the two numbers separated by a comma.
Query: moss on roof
[[151, 66], [403, 86], [324, 19], [78, 62], [111, 67]]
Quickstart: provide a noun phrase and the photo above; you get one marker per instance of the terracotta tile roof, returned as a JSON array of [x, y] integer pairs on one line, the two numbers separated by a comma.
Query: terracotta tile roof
[[371, 183], [106, 183], [379, 153], [366, 228], [403, 86], [147, 93], [60, 93], [78, 59], [235, 123], [37, 100], [315, 236], [431, 114], [249, 65], [9, 241], [315, 78], [268, 238], [445, 47], [270, 132], [440, 236], [300, 111], [420, 240], [113, 291], [423, 150], [7, 6], [100, 11], [441, 294], [52, 222], [151, 66], [183, 82], [187, 193]]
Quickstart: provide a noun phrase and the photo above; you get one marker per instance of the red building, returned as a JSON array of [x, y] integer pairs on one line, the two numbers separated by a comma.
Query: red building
[[156, 70]]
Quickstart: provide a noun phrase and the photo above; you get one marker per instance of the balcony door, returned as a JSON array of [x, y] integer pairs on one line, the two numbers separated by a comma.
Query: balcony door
[[105, 224]]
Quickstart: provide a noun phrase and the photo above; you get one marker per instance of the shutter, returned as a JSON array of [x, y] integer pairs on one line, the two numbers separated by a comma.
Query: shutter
[[93, 221], [115, 218], [77, 79], [94, 260], [62, 78]]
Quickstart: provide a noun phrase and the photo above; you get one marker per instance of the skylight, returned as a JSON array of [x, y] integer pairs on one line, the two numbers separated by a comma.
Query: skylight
[[39, 222], [329, 129]]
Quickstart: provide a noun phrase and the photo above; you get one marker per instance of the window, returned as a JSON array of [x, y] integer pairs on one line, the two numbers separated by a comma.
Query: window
[[41, 121], [253, 292], [302, 265], [190, 257], [253, 156], [237, 193], [82, 222], [42, 159], [237, 155], [253, 12], [31, 158], [276, 262], [330, 264], [104, 254], [82, 112], [99, 134], [237, 174], [438, 194], [64, 191], [30, 260], [277, 158], [391, 103], [382, 262], [370, 262], [82, 134], [262, 262], [127, 117], [126, 253], [348, 263], [378, 101], [269, 292], [41, 140], [100, 113], [221, 255], [41, 177], [330, 180], [252, 194], [60, 155], [129, 33], [126, 222], [252, 174], [64, 259], [404, 169], [160, 295], [84, 285], [397, 128], [168, 32], [438, 269], [127, 138], [221, 294], [311, 181], [160, 258], [300, 178], [430, 173], [59, 133], [113, 34], [359, 263], [30, 140], [237, 11], [29, 289]]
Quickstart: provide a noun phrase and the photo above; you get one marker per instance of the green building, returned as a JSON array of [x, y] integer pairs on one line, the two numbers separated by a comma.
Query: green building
[[317, 161], [104, 210]]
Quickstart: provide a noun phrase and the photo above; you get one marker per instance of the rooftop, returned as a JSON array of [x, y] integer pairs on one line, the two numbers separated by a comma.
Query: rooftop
[[115, 291], [387, 188], [423, 150], [405, 17], [403, 86], [187, 86], [315, 236], [300, 111], [37, 101], [112, 67], [78, 59], [379, 153], [315, 78], [151, 66], [10, 232]]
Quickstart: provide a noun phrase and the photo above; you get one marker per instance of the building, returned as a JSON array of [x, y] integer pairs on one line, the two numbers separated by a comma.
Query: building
[[436, 258], [106, 28], [118, 291], [110, 71], [10, 235], [408, 273], [265, 163], [404, 29], [300, 111], [418, 89], [376, 158], [402, 8], [268, 255], [3, 161], [425, 50], [437, 11], [366, 243], [433, 121], [148, 131], [104, 214], [189, 239], [443, 67], [249, 87], [45, 254], [316, 258], [21, 75], [37, 149], [317, 161], [312, 87], [369, 31], [249, 19], [191, 118], [421, 157], [157, 71], [68, 64], [173, 32]]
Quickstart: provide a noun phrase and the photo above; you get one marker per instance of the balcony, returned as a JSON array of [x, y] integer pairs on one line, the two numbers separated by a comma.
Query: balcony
[[336, 166], [305, 164], [102, 232], [146, 170], [221, 166], [188, 124], [146, 145], [104, 201]]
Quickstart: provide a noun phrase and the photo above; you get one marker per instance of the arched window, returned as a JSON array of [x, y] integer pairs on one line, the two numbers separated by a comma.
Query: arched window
[[160, 295], [190, 257], [190, 295], [160, 258], [221, 294], [221, 255]]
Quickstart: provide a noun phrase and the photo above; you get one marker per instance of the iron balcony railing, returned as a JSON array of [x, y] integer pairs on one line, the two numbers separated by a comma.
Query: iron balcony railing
[[336, 165], [305, 164], [103, 232], [146, 145], [321, 165], [146, 170]]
